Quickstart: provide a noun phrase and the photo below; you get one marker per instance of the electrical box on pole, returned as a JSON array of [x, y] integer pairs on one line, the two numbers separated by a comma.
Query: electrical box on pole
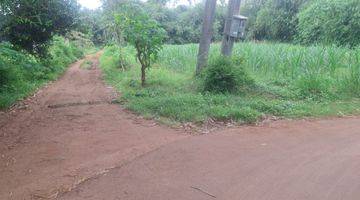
[[237, 28], [234, 27]]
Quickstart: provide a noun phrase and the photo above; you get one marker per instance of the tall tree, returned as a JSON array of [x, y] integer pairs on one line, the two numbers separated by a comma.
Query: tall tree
[[31, 24]]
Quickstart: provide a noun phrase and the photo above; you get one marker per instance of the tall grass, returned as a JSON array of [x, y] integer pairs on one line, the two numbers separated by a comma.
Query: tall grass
[[290, 81]]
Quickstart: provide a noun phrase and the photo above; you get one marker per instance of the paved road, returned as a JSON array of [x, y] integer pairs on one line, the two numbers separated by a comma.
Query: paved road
[[71, 144]]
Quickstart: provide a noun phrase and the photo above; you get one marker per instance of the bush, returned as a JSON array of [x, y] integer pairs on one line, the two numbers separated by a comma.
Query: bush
[[330, 21], [223, 76]]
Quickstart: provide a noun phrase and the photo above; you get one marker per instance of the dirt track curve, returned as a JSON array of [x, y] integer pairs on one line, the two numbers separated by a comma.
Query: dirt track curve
[[69, 142]]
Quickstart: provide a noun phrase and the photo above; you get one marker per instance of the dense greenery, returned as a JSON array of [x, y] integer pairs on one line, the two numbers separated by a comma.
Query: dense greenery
[[330, 22], [290, 81], [295, 21], [305, 21], [182, 23], [21, 73], [30, 25], [277, 20]]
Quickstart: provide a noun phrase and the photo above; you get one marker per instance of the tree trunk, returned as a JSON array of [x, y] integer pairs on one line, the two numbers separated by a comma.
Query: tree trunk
[[206, 35], [143, 76]]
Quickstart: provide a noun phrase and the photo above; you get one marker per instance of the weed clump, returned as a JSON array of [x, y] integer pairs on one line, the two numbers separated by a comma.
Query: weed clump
[[224, 76]]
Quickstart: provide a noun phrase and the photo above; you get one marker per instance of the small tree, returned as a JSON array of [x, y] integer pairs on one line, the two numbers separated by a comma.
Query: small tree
[[143, 33]]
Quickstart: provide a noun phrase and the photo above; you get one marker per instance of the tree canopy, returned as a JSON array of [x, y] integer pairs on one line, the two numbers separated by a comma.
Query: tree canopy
[[31, 24]]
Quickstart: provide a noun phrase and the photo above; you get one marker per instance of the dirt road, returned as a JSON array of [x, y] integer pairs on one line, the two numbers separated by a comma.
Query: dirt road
[[71, 143]]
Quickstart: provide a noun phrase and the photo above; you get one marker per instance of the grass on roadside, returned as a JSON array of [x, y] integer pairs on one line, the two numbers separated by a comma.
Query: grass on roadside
[[290, 81]]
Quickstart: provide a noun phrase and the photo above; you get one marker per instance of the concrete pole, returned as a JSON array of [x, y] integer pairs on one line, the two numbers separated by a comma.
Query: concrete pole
[[206, 35], [228, 42]]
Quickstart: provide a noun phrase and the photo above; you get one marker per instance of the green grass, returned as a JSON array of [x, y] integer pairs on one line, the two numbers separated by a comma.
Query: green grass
[[87, 64], [290, 81]]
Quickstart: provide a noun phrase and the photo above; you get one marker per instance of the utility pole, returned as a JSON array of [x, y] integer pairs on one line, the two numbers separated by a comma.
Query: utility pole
[[228, 42], [206, 35]]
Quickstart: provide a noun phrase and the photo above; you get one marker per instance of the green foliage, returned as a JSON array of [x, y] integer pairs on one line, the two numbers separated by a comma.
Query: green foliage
[[277, 20], [22, 73], [181, 23], [222, 76], [143, 33], [92, 25], [324, 21], [250, 9], [30, 25], [330, 22], [289, 80]]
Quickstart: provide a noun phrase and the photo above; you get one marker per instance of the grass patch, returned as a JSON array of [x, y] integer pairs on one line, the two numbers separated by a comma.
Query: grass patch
[[87, 64], [287, 81]]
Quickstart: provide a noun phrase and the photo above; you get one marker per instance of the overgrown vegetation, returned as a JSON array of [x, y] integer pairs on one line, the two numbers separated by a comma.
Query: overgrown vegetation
[[288, 80], [22, 73], [292, 21], [330, 22], [30, 25]]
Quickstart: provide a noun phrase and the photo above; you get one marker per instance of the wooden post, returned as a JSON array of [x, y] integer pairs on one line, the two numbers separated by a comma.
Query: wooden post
[[206, 35], [228, 42]]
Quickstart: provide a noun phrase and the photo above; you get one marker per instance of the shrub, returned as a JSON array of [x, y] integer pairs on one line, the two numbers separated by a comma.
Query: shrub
[[223, 76], [330, 21]]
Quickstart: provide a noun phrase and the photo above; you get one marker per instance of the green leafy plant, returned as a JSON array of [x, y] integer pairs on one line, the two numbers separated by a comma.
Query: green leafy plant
[[223, 76], [30, 25], [143, 33]]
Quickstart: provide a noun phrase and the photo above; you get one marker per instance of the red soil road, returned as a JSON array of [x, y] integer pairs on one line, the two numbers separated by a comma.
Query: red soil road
[[70, 133], [74, 151]]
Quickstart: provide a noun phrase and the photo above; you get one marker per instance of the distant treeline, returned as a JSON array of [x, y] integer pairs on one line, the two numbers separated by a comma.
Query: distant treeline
[[296, 21]]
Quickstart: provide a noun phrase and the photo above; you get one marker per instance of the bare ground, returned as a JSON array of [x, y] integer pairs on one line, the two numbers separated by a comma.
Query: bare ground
[[70, 142]]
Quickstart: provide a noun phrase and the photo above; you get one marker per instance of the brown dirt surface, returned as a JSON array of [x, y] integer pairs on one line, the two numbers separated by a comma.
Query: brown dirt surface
[[71, 143], [68, 133]]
